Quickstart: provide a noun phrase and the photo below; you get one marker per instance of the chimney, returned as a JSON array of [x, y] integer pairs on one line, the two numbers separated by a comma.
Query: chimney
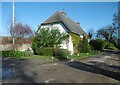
[[78, 23], [63, 12]]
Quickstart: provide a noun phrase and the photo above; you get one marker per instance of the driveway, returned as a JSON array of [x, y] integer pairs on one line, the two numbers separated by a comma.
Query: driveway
[[102, 68]]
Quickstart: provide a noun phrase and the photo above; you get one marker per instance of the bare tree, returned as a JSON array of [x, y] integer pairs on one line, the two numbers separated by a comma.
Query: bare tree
[[108, 33], [91, 33], [20, 32]]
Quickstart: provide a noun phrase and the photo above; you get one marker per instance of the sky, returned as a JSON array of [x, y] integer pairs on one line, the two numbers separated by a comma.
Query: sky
[[91, 15]]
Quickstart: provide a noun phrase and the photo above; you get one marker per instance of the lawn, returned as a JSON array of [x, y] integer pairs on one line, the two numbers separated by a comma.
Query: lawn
[[75, 57], [83, 55], [40, 57]]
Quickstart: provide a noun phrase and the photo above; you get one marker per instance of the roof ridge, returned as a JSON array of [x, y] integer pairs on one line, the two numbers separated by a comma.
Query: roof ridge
[[71, 25]]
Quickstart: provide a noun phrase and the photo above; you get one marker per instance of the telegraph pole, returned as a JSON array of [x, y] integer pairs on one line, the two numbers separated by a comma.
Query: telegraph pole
[[13, 22]]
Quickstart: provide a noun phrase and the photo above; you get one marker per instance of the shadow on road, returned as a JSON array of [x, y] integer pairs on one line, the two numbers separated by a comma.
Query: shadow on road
[[94, 69], [18, 73]]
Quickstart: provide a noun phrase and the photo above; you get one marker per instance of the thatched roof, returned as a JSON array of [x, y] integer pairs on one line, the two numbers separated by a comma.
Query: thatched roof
[[67, 22]]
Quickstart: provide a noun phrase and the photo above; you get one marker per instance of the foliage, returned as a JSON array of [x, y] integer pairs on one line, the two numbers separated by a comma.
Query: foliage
[[48, 38], [84, 46], [118, 43], [16, 54], [60, 53], [44, 51], [108, 33], [110, 45], [97, 44], [76, 40]]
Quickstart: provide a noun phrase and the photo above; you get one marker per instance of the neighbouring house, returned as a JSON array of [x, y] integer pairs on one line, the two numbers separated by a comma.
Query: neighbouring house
[[61, 21]]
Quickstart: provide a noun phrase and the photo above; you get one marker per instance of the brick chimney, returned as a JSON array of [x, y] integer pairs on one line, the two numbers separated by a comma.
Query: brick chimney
[[63, 12], [78, 23]]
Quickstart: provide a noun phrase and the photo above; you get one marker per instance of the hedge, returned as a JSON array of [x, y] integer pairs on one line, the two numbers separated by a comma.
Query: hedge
[[14, 54], [110, 46], [97, 44], [44, 51], [61, 53]]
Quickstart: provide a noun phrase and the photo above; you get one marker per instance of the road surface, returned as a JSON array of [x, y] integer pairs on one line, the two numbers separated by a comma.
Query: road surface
[[103, 68]]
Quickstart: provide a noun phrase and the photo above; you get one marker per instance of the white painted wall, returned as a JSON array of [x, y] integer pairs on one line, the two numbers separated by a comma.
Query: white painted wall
[[70, 45], [59, 26], [81, 36]]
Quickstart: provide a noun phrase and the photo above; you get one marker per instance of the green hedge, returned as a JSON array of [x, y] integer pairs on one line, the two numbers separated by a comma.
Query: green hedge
[[84, 46], [60, 53], [44, 51], [110, 46], [118, 44], [97, 44], [14, 54]]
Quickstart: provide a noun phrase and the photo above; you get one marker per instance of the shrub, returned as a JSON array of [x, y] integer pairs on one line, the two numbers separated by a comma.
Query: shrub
[[110, 45], [60, 53], [47, 37], [118, 43], [84, 46], [14, 54], [44, 51], [97, 44]]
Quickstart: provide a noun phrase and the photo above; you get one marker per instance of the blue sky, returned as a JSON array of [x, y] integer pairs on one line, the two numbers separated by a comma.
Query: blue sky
[[90, 14]]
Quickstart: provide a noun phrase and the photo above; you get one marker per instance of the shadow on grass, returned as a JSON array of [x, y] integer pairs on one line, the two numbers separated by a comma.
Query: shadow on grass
[[19, 73], [94, 69]]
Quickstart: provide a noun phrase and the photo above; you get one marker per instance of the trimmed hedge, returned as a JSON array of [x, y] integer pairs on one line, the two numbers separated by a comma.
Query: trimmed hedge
[[60, 53], [14, 54], [97, 44], [44, 51]]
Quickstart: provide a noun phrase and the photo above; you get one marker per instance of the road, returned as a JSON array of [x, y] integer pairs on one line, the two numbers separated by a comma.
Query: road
[[102, 68]]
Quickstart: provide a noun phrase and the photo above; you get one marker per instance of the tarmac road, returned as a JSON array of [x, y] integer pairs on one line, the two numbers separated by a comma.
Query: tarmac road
[[103, 68]]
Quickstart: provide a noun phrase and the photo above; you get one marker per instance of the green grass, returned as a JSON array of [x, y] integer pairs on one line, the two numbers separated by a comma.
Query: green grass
[[83, 55], [35, 57], [76, 57], [39, 57]]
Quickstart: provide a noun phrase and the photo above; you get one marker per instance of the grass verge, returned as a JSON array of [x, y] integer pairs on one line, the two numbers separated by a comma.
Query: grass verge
[[83, 55]]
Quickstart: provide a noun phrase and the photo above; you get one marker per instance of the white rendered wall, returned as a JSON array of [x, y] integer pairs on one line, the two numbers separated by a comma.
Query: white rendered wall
[[57, 26], [81, 36], [70, 45]]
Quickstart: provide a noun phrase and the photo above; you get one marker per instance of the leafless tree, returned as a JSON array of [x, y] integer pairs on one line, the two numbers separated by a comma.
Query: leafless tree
[[20, 33], [91, 33], [107, 32]]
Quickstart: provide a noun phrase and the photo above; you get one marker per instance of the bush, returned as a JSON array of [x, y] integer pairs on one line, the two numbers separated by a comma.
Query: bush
[[97, 44], [44, 51], [118, 43], [110, 46], [84, 46], [60, 53], [14, 54]]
